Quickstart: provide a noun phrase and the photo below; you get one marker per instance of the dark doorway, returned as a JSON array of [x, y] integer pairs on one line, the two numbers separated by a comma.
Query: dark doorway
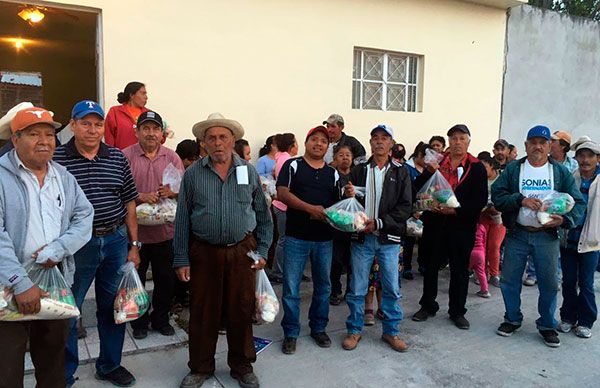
[[61, 49]]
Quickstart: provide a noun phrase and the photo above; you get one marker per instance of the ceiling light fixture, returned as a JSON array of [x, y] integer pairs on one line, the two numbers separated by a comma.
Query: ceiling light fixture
[[31, 15]]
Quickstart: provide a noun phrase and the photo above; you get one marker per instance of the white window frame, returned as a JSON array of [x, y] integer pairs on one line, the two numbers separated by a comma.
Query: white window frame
[[384, 82]]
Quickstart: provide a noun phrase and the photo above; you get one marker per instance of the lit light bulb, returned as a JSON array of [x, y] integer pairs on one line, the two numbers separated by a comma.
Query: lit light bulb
[[19, 44]]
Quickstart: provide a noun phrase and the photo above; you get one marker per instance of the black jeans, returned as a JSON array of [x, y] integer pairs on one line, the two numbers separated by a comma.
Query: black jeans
[[160, 255], [456, 243], [340, 258], [408, 247]]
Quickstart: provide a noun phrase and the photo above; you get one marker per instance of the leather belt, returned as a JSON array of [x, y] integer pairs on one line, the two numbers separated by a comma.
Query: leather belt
[[106, 230], [532, 229], [229, 245]]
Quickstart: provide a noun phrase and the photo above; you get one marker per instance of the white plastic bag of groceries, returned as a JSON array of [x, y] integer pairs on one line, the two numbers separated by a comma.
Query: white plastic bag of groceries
[[156, 213], [414, 227], [267, 305], [436, 192], [554, 203], [132, 300], [59, 304], [347, 215]]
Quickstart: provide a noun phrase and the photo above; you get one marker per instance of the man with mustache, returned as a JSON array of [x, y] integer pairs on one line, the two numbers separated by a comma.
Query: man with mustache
[[148, 160], [450, 232], [518, 194], [103, 173], [579, 258], [45, 218], [307, 185], [388, 203]]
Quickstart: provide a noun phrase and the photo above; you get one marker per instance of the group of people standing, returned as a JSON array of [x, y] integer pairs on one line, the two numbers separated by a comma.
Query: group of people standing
[[74, 206]]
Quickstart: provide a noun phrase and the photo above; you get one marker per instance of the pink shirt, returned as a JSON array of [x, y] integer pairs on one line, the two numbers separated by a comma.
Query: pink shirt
[[280, 159], [147, 175]]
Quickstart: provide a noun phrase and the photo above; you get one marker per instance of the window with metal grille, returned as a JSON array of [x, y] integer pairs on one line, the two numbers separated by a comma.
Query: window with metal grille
[[384, 80]]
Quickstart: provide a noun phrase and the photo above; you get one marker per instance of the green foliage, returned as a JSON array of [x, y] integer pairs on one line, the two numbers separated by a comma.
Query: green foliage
[[585, 8]]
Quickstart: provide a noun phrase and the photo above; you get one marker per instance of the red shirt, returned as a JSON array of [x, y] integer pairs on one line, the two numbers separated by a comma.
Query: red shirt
[[452, 174], [120, 127], [147, 175]]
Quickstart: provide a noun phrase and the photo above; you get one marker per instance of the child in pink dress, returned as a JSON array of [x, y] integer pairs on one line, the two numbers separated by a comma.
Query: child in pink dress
[[477, 263]]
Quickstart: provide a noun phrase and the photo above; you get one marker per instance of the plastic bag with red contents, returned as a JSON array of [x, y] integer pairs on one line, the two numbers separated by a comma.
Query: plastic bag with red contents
[[132, 300]]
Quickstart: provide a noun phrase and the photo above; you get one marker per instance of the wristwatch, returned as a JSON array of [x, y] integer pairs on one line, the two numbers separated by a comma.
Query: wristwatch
[[137, 244]]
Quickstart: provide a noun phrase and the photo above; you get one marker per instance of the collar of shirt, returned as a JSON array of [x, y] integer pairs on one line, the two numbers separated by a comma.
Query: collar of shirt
[[49, 174], [140, 151], [451, 173], [207, 163], [71, 150]]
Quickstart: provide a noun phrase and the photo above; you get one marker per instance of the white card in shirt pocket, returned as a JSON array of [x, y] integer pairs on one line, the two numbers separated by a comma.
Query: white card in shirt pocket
[[241, 175]]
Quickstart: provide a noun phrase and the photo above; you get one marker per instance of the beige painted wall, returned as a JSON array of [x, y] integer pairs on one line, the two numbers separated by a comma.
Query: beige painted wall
[[286, 65]]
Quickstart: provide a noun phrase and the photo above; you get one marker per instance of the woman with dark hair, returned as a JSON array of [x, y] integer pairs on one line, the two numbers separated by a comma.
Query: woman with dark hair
[[120, 122], [438, 144], [242, 148], [266, 160], [288, 148], [398, 153]]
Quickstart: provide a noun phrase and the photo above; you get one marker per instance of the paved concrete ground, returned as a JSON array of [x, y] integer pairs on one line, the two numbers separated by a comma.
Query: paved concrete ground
[[440, 354]]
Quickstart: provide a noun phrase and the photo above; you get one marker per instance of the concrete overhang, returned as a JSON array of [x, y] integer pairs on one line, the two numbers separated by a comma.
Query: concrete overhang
[[505, 4]]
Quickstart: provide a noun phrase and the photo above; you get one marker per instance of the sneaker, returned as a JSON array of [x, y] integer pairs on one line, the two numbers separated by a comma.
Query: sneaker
[[495, 281], [476, 280], [408, 275], [140, 333], [529, 281], [507, 329], [288, 346], [550, 338], [119, 377], [483, 294], [461, 322], [247, 380], [335, 300], [194, 380], [166, 330], [322, 339], [351, 341], [369, 319], [395, 342], [422, 315], [583, 332], [565, 327]]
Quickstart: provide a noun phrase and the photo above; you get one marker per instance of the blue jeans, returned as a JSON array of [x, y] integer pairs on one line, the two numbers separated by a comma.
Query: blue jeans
[[362, 259], [99, 259], [578, 271], [297, 252], [543, 247]]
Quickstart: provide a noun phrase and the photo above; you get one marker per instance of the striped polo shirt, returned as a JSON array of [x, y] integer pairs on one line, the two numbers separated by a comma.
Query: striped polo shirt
[[106, 181]]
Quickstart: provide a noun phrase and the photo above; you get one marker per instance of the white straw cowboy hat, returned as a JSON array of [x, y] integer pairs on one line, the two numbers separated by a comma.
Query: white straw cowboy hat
[[5, 132], [217, 120]]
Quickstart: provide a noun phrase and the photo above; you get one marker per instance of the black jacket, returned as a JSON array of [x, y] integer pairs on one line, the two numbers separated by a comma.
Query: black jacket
[[396, 201], [471, 192]]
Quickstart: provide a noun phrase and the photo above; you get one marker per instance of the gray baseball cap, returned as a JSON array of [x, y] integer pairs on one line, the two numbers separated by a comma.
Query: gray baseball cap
[[334, 118]]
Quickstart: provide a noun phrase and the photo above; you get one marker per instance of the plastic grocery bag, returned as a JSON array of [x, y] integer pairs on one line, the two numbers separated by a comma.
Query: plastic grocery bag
[[268, 186], [436, 191], [132, 300], [348, 215], [59, 304], [414, 227], [555, 203], [432, 156], [156, 213], [172, 177], [267, 305]]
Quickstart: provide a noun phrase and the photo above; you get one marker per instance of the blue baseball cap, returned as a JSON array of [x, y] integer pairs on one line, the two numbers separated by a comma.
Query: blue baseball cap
[[86, 107], [539, 131], [385, 128]]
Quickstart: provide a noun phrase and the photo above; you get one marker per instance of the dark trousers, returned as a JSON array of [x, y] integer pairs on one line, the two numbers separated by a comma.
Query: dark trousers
[[47, 341], [408, 247], [579, 301], [222, 286], [340, 259], [161, 256], [455, 243]]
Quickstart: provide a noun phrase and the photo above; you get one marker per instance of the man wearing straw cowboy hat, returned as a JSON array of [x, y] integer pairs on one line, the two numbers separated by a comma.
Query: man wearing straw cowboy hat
[[222, 214]]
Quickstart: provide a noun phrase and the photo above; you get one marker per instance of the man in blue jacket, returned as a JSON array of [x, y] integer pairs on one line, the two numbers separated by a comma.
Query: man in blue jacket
[[518, 194]]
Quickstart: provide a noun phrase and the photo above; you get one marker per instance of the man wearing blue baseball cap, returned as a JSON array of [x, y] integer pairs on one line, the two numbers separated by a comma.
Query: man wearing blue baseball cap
[[105, 177], [518, 193]]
